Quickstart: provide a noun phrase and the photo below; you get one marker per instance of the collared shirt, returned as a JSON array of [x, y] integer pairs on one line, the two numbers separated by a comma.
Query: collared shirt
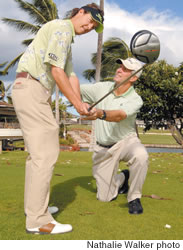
[[108, 133], [51, 46]]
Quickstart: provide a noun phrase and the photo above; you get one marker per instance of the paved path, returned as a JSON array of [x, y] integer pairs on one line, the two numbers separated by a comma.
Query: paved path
[[83, 139]]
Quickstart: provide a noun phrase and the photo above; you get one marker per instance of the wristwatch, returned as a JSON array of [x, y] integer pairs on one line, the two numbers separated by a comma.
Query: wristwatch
[[103, 117]]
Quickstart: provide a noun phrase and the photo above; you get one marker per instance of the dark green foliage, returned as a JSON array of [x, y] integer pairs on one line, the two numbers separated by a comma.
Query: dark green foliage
[[160, 86], [112, 49], [161, 89]]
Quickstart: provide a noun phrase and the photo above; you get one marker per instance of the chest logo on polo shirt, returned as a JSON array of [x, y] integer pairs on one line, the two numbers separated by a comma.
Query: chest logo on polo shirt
[[53, 56]]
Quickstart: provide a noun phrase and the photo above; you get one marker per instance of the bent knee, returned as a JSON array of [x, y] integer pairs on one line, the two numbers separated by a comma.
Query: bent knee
[[141, 155]]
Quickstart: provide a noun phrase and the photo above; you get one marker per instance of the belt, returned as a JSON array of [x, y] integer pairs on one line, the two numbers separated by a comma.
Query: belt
[[105, 146], [24, 75]]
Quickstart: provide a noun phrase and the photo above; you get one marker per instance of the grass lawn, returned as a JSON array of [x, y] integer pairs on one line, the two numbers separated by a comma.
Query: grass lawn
[[73, 190], [157, 139]]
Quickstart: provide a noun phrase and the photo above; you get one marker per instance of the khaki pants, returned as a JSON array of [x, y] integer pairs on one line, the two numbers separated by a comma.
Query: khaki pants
[[106, 163], [40, 132]]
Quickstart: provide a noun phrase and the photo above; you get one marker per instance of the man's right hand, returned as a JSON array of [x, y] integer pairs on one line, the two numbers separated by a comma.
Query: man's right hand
[[82, 109]]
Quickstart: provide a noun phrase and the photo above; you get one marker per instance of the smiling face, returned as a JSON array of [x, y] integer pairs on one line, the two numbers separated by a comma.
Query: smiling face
[[122, 73], [83, 23]]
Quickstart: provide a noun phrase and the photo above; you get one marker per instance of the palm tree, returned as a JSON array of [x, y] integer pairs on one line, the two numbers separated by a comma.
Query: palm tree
[[3, 90], [41, 12], [99, 49], [97, 76], [2, 66], [112, 49]]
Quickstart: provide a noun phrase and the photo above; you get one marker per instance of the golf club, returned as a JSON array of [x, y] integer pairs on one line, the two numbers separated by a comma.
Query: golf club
[[145, 46]]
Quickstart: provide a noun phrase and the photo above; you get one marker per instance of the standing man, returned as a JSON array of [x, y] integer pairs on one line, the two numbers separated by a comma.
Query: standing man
[[47, 62], [116, 137]]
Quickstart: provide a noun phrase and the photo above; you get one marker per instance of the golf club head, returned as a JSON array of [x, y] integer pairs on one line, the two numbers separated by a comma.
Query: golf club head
[[145, 46]]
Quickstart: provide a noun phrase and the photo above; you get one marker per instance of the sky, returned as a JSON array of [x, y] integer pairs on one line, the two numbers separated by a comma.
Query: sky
[[123, 18]]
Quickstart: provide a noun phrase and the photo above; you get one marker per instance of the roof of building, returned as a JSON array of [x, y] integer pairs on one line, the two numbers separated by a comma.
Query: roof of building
[[7, 110]]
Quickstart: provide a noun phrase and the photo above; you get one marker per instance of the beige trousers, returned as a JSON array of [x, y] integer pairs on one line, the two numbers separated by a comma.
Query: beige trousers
[[40, 132], [106, 163]]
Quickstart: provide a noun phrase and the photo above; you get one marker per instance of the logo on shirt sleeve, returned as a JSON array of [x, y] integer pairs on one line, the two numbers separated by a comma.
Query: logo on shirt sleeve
[[53, 57]]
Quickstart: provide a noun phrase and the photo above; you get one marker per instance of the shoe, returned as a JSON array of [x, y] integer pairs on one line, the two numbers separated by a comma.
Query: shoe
[[124, 188], [135, 207], [53, 210], [51, 228]]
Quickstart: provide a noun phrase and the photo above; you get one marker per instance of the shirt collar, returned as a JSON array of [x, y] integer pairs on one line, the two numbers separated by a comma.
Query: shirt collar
[[128, 92]]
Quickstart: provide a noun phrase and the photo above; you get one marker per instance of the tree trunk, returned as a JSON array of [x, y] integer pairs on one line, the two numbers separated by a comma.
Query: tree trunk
[[176, 134], [97, 77]]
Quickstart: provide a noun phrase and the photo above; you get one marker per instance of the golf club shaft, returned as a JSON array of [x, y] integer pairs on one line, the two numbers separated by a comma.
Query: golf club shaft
[[127, 79]]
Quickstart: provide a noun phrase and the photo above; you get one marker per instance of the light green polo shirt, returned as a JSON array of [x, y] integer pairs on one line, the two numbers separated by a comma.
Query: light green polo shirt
[[51, 46], [108, 133]]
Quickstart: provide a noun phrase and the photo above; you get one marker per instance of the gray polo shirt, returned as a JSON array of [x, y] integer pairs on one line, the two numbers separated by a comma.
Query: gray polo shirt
[[108, 133]]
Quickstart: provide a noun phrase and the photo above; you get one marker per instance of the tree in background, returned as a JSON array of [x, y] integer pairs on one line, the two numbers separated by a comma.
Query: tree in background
[[97, 76], [62, 107], [112, 49], [4, 91], [160, 85], [161, 88], [63, 114], [41, 12]]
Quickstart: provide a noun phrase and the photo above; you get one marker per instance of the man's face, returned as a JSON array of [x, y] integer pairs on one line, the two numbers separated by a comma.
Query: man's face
[[121, 74], [85, 23]]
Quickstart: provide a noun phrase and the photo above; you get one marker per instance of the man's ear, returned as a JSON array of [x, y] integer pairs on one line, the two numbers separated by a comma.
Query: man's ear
[[133, 79]]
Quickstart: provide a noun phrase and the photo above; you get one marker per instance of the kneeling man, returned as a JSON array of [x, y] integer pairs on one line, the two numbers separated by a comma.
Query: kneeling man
[[116, 137]]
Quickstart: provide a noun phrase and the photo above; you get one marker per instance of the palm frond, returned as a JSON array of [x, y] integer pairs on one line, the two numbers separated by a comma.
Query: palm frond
[[9, 99], [12, 63], [8, 87], [3, 64], [48, 7], [2, 87], [32, 11], [21, 25], [27, 42], [89, 74], [112, 49]]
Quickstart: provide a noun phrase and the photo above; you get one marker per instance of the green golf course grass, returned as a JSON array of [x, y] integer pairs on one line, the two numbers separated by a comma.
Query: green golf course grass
[[73, 190]]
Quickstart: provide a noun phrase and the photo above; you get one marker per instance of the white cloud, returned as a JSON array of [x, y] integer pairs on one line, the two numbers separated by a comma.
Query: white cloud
[[10, 42], [118, 23], [168, 28]]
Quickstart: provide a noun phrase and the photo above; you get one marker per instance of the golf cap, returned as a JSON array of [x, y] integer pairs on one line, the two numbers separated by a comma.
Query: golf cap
[[132, 64], [96, 16]]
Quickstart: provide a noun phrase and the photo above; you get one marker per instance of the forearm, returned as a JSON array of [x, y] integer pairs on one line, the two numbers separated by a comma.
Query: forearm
[[75, 85], [65, 86], [112, 115]]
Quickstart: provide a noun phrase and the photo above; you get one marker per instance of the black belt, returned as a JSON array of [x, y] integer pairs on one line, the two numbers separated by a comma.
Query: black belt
[[105, 146]]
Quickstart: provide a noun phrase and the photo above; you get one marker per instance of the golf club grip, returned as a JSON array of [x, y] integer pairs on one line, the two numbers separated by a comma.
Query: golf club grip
[[127, 79]]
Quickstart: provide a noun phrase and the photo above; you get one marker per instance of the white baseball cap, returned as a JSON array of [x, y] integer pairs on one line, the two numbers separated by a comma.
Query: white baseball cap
[[132, 64]]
